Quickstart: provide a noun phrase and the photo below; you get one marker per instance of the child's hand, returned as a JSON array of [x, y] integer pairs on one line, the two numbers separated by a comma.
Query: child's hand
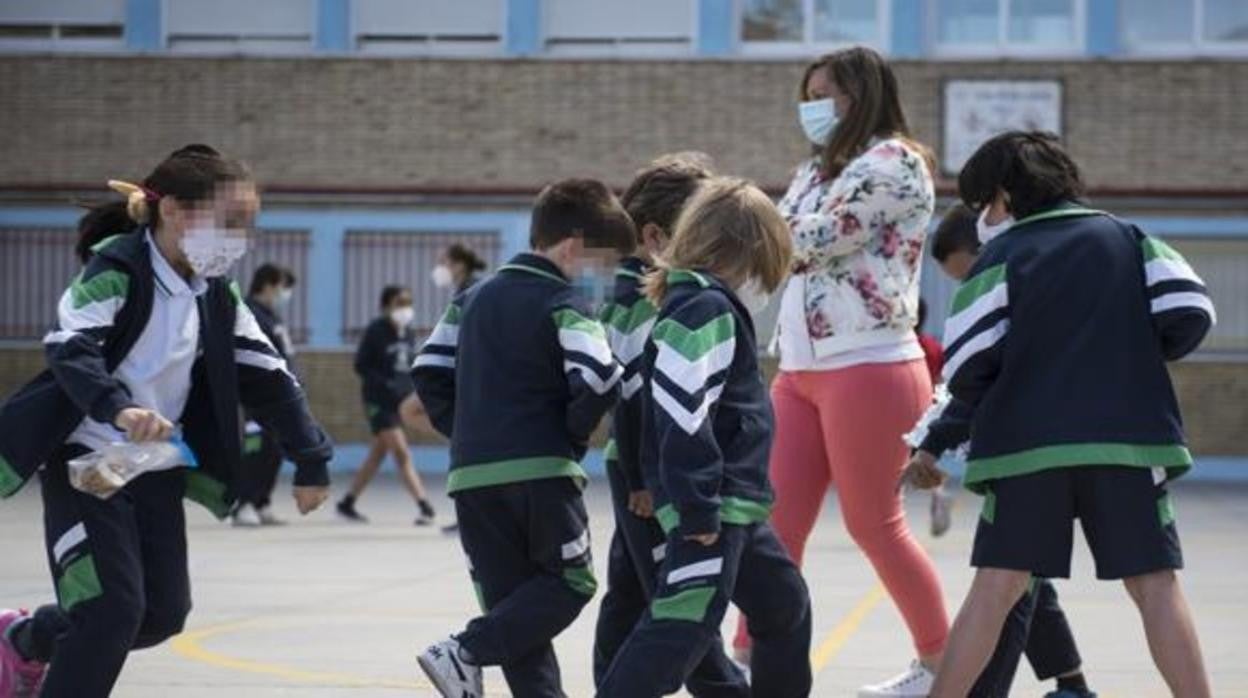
[[641, 503], [922, 472], [143, 425], [309, 498], [706, 539]]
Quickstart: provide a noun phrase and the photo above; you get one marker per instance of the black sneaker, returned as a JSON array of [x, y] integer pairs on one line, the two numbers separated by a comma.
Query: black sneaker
[[427, 514], [346, 509]]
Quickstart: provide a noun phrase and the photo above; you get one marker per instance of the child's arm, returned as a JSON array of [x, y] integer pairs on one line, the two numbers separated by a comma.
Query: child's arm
[[976, 331], [1182, 310], [695, 346], [433, 371], [882, 191], [75, 350], [274, 398], [592, 373]]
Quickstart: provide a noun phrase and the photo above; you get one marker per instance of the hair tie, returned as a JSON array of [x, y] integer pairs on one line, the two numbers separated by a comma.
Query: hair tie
[[138, 199]]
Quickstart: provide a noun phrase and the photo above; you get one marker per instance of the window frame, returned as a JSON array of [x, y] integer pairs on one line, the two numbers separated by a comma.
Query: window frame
[[1003, 47], [1195, 46], [808, 46], [616, 49]]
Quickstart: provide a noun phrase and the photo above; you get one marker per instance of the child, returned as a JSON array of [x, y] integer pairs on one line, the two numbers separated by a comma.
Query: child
[[707, 425], [271, 290], [151, 336], [383, 362], [518, 374], [1037, 624], [653, 201], [1068, 296]]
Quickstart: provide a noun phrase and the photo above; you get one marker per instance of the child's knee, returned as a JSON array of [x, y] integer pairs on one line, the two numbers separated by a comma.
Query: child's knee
[[1001, 587], [1143, 588]]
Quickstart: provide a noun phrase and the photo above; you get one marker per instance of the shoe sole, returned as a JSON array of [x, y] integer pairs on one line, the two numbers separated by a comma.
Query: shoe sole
[[434, 677]]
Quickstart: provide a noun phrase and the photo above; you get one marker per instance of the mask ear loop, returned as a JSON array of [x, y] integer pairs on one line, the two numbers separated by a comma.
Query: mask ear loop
[[138, 200]]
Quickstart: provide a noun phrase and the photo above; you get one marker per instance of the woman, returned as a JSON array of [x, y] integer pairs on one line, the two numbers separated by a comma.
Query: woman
[[383, 362], [852, 376], [458, 269]]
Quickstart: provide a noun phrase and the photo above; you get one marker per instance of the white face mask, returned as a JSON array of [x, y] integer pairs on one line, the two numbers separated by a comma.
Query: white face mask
[[211, 252], [753, 297], [442, 276], [284, 295], [403, 317], [819, 119], [987, 232]]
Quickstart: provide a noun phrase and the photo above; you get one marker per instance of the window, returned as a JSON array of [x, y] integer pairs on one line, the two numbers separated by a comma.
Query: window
[[1194, 27], [608, 27], [428, 27], [1013, 27], [240, 26], [795, 26], [62, 25]]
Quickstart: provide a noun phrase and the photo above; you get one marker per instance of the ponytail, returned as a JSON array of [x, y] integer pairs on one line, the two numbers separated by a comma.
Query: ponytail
[[654, 283], [189, 174]]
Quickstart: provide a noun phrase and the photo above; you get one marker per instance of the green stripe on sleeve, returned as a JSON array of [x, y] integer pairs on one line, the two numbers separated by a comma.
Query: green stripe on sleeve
[[569, 319], [628, 318], [1158, 249], [236, 292], [451, 316], [103, 286], [78, 583], [694, 344], [688, 605], [976, 286]]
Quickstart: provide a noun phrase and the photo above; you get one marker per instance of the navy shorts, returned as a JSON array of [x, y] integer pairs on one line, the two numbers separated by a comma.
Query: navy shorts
[[381, 418], [1127, 518]]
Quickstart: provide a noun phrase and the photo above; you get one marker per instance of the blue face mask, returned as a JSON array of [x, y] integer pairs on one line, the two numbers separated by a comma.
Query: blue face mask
[[818, 119]]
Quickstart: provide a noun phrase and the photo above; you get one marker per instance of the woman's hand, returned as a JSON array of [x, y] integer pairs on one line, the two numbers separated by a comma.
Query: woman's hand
[[641, 503], [922, 472], [143, 425], [309, 499]]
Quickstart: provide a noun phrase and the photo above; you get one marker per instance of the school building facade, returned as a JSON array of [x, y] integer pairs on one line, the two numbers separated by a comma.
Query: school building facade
[[383, 130]]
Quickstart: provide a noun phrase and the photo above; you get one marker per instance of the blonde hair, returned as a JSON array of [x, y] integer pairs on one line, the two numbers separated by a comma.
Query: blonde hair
[[730, 229]]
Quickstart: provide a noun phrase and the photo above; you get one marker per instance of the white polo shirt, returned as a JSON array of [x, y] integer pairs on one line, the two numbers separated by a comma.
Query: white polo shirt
[[158, 368]]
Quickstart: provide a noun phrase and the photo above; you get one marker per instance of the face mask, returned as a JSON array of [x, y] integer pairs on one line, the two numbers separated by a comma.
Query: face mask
[[211, 252], [818, 118], [404, 316], [987, 232], [753, 297], [284, 296], [442, 276]]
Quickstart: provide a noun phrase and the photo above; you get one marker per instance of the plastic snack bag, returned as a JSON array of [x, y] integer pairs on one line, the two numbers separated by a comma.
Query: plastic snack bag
[[103, 472]]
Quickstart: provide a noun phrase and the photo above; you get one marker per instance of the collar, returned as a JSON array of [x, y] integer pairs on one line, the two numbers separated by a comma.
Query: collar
[[169, 280], [537, 265]]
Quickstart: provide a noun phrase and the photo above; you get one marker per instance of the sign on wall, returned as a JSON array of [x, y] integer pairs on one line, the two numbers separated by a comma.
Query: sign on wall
[[976, 110]]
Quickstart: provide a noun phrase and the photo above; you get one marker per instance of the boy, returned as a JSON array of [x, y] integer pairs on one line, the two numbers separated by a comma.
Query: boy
[[653, 200], [1037, 624], [1068, 296], [518, 374]]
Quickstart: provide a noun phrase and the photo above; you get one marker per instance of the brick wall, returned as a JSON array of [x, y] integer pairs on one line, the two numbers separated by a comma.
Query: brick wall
[[1214, 397], [338, 123]]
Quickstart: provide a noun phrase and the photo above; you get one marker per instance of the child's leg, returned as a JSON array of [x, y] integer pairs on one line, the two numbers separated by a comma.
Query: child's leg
[[626, 596], [269, 465], [160, 516], [1171, 632], [865, 451], [771, 590], [529, 547], [1051, 647], [95, 556], [396, 443], [695, 584], [799, 472], [977, 628], [372, 461], [998, 676]]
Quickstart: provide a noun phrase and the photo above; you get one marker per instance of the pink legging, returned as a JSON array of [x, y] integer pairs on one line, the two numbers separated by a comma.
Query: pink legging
[[845, 426]]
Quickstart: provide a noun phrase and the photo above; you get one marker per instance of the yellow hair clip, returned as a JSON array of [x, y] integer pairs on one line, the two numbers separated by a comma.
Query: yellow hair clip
[[137, 203]]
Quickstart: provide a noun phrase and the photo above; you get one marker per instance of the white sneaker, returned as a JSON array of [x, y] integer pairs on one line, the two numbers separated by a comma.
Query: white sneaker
[[916, 682], [268, 518], [452, 676], [942, 511], [246, 516]]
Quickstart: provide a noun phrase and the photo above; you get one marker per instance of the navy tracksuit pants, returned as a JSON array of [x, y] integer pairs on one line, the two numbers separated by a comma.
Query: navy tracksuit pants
[[747, 566], [528, 547], [1038, 627], [638, 546]]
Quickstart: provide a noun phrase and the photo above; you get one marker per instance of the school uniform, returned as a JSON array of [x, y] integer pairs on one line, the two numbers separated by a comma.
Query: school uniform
[[518, 374], [707, 427], [262, 453], [383, 362], [1058, 343], [133, 333], [638, 545]]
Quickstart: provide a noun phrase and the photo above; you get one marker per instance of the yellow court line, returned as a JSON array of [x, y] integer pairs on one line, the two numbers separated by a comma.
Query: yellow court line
[[831, 645]]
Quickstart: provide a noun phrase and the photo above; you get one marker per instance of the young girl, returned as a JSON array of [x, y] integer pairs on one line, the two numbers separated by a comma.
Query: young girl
[[151, 338], [383, 361], [707, 432]]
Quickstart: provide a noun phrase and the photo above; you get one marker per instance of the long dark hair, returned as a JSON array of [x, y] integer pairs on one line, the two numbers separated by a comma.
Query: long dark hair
[[189, 174], [867, 79]]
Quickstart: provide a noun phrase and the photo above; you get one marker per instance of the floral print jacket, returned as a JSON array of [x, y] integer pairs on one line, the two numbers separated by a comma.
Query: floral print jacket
[[858, 239]]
